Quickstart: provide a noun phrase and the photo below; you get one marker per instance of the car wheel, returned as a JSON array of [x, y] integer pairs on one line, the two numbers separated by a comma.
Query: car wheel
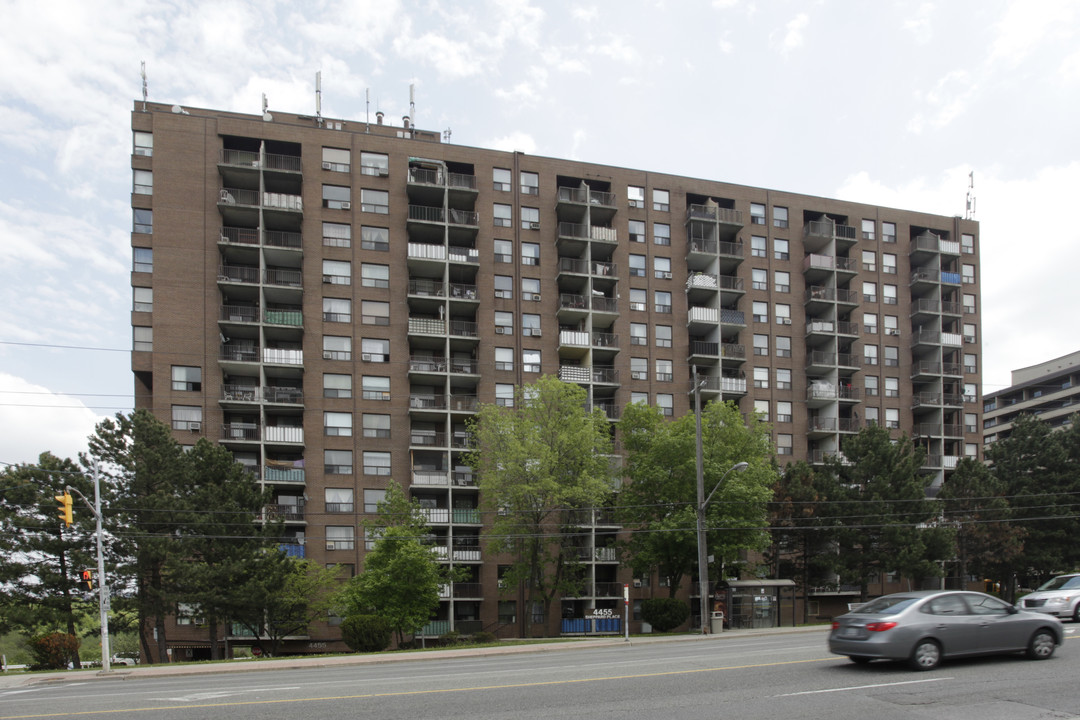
[[926, 655], [1041, 646], [859, 659], [1076, 613]]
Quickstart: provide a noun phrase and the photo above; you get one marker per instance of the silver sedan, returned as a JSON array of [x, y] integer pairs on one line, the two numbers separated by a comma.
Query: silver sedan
[[925, 627]]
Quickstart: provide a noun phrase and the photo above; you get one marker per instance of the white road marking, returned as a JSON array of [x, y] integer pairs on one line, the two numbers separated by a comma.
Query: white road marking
[[864, 687], [202, 697]]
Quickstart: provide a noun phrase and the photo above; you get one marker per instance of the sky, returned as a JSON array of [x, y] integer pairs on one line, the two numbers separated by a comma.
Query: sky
[[889, 102]]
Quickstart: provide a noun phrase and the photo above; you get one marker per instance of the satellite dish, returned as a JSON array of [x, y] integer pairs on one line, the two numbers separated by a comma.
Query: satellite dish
[[177, 109], [267, 117]]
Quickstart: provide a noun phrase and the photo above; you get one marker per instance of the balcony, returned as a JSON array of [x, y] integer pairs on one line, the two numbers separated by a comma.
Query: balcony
[[725, 387], [282, 356], [431, 478], [818, 234], [284, 473], [283, 395], [284, 434], [291, 316]]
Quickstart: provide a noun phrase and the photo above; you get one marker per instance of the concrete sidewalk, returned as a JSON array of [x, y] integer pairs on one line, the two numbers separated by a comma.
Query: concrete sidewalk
[[506, 647]]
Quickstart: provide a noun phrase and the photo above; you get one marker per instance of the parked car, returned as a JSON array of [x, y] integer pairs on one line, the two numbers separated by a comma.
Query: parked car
[[124, 660], [925, 627], [1059, 597]]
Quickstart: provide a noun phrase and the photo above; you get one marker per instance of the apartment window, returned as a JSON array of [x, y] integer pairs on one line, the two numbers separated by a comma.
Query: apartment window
[[662, 268], [374, 387], [637, 231], [635, 196], [784, 444], [781, 249], [970, 363], [759, 246], [507, 612], [664, 371], [530, 218], [663, 336], [892, 418], [781, 281], [142, 220], [760, 312], [968, 273], [372, 500], [892, 325], [970, 423], [504, 251], [872, 415], [779, 217], [337, 272], [639, 368], [637, 266], [530, 289], [374, 312], [888, 294], [888, 232], [870, 385], [338, 500], [530, 361], [336, 197], [761, 344], [186, 417], [783, 346], [892, 356], [868, 227], [759, 279], [337, 462], [341, 537], [142, 299], [186, 378], [504, 287], [375, 201], [502, 179], [144, 144], [503, 215], [783, 378], [639, 334], [336, 234], [761, 408], [869, 260], [336, 347], [661, 200], [142, 339], [639, 397], [969, 303], [662, 302], [336, 310], [504, 358], [336, 385], [530, 253], [761, 378], [783, 411], [892, 387], [661, 234], [375, 164], [971, 450], [869, 292], [639, 299], [337, 423], [375, 350], [783, 314], [376, 462], [504, 394], [757, 214], [530, 183], [969, 333], [870, 354], [530, 325], [504, 323], [971, 393], [372, 275], [888, 263], [967, 243], [143, 182], [666, 403], [870, 323], [374, 238], [336, 159]]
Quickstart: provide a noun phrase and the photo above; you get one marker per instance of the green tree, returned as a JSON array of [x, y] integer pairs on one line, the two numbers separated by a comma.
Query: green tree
[[658, 504], [536, 463]]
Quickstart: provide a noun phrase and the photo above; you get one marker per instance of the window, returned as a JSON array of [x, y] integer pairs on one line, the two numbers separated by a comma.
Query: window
[[337, 272], [892, 418], [968, 273], [638, 299], [783, 314], [661, 200], [870, 323], [504, 358], [869, 260], [869, 292], [780, 249], [336, 385], [888, 294], [970, 423], [870, 385], [372, 500], [870, 354], [663, 336], [338, 500], [144, 144], [142, 339], [967, 243], [375, 201], [892, 325], [666, 403], [783, 444], [375, 350], [375, 164], [374, 312], [635, 196], [530, 218], [970, 363], [888, 232], [504, 251], [337, 423], [783, 378], [761, 377], [760, 312], [337, 462], [969, 333], [375, 387], [761, 408], [757, 214], [759, 246], [872, 416], [637, 266], [186, 378], [530, 325], [969, 303], [372, 275], [336, 160], [783, 411], [892, 387], [502, 178], [662, 268], [971, 450], [336, 234], [639, 397], [530, 183], [868, 227], [336, 347], [374, 238], [340, 537], [142, 299], [661, 233], [892, 356], [761, 344], [530, 253], [783, 346], [336, 197], [187, 417], [507, 612], [971, 393], [779, 217], [639, 334], [639, 368], [759, 279], [888, 263], [530, 289], [336, 310], [142, 220], [504, 287], [504, 394], [637, 231], [664, 371], [530, 361], [376, 462], [504, 323], [503, 215], [143, 182], [781, 281]]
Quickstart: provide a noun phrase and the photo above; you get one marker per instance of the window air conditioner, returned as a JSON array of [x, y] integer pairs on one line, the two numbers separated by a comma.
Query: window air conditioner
[[327, 355], [330, 545], [893, 331], [635, 203], [785, 321], [384, 172], [195, 426], [534, 226], [366, 357], [328, 278], [637, 583], [536, 297], [346, 206], [327, 166], [502, 330]]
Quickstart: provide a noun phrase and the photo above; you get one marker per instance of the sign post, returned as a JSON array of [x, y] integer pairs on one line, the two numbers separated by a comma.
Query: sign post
[[626, 611]]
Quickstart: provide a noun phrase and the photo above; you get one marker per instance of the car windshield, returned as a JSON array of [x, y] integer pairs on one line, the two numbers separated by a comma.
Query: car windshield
[[888, 605], [1065, 582]]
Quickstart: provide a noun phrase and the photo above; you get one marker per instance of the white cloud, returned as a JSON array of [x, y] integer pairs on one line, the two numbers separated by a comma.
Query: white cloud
[[947, 100], [919, 24], [1027, 26], [585, 14], [794, 33], [618, 49], [36, 419], [517, 141]]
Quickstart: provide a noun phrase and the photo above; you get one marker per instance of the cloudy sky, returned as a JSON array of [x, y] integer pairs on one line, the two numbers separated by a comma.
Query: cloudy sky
[[889, 102]]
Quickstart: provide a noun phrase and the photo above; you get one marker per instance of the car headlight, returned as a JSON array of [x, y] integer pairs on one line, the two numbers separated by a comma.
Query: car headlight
[[1057, 601]]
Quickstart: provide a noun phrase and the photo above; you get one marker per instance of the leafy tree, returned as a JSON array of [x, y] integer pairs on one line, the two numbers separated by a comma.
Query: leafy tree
[[664, 614], [53, 651], [536, 463], [366, 633], [658, 504]]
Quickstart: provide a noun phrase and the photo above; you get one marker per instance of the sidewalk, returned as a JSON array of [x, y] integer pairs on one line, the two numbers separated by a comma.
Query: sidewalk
[[506, 647]]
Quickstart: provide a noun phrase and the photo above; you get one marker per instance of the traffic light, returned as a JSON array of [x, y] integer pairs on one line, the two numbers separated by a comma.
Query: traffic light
[[88, 578], [65, 507]]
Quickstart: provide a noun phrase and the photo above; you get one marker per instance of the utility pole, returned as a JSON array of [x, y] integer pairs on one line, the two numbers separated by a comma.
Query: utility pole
[[103, 586]]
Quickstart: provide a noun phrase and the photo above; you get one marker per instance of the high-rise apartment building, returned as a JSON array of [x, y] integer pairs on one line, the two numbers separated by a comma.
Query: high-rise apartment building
[[1049, 390], [332, 300]]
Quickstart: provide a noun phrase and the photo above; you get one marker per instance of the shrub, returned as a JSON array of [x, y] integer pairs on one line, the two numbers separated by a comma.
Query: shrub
[[453, 637], [53, 651], [664, 614], [365, 633], [484, 638]]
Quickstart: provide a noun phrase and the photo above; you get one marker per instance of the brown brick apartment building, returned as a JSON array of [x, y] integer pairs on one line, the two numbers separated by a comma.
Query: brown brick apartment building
[[331, 300]]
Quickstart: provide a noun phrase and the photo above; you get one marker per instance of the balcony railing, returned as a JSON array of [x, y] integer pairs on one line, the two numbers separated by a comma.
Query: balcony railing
[[279, 474], [284, 434], [288, 278]]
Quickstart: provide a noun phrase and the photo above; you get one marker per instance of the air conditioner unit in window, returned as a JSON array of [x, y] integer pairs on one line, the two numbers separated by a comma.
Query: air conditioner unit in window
[[635, 203], [536, 332], [327, 166], [383, 172], [328, 278], [327, 355], [366, 357], [346, 206], [536, 297], [502, 330], [892, 331], [330, 545], [784, 321], [534, 226], [194, 426], [637, 583]]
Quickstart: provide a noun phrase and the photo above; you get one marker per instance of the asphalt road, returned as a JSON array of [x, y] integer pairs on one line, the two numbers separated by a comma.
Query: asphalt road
[[773, 675]]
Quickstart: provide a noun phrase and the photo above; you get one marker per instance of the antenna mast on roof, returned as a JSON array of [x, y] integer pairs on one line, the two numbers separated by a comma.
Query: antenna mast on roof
[[969, 213], [144, 92], [412, 103], [367, 109], [318, 98]]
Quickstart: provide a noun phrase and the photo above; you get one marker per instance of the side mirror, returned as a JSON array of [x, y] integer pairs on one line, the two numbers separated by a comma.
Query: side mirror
[[1013, 609]]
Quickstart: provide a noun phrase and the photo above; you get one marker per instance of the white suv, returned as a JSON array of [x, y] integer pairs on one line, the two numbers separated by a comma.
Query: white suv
[[1060, 597]]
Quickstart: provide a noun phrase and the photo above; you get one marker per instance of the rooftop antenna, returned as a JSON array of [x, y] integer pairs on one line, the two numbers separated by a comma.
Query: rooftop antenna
[[446, 135], [969, 213], [318, 98], [144, 91], [367, 108], [267, 117], [412, 103]]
